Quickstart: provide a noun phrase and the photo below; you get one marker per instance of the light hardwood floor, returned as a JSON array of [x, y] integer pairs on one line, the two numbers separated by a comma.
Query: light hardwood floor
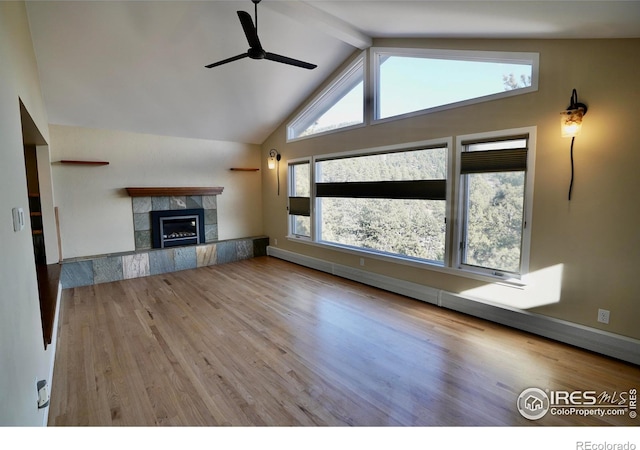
[[264, 342]]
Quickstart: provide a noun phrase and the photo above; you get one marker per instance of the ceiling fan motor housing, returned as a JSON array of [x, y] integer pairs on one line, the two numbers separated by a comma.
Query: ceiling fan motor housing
[[256, 53]]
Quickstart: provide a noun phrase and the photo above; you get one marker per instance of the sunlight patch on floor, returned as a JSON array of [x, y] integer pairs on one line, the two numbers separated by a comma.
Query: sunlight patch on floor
[[543, 287]]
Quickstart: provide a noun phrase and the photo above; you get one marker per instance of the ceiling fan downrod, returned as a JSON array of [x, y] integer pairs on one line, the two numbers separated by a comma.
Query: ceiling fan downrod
[[255, 12]]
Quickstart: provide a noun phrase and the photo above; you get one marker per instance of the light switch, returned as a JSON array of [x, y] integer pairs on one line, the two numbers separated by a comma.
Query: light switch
[[18, 219], [43, 394]]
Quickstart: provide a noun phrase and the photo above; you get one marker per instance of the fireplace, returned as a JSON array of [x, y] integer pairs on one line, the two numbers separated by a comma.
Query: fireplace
[[177, 227]]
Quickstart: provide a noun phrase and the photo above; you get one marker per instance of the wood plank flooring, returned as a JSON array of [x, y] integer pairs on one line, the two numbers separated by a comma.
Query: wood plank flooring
[[263, 342]]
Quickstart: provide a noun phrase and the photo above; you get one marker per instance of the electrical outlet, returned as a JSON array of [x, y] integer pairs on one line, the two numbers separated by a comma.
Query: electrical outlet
[[275, 242], [362, 261], [603, 315]]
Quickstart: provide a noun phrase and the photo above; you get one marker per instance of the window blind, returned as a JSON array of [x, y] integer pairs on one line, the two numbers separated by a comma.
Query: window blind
[[299, 206], [414, 189], [507, 160]]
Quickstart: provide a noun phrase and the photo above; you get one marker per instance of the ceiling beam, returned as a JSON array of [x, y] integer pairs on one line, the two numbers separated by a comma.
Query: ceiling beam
[[325, 22]]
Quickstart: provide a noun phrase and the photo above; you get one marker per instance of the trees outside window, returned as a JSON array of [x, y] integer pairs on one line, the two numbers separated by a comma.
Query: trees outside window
[[392, 203], [398, 202]]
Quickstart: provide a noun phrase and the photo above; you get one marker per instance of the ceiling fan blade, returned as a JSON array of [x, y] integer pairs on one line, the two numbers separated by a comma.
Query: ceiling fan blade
[[228, 60], [249, 30], [287, 60]]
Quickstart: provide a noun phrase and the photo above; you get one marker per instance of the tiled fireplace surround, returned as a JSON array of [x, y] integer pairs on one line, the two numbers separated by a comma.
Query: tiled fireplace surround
[[146, 261], [142, 206]]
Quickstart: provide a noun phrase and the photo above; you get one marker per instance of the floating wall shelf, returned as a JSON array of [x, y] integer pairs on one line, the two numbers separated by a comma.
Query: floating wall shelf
[[84, 163], [245, 169], [172, 191]]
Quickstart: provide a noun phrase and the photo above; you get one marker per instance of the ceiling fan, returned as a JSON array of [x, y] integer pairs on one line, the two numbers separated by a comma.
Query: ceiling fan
[[255, 48]]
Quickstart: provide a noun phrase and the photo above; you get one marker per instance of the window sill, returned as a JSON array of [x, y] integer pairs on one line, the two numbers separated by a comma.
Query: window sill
[[420, 264]]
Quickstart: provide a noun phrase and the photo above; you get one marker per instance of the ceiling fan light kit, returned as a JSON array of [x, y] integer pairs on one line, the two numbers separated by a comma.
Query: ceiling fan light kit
[[255, 47]]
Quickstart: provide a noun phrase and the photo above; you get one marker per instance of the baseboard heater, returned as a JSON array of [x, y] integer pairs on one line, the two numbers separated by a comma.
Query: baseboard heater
[[599, 341]]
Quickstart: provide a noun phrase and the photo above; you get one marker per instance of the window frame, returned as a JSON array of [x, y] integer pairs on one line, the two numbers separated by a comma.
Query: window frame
[[460, 213], [290, 189], [453, 207], [532, 58], [329, 97], [446, 143]]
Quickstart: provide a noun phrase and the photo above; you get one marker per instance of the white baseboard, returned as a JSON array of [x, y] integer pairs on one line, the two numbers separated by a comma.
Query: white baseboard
[[603, 342]]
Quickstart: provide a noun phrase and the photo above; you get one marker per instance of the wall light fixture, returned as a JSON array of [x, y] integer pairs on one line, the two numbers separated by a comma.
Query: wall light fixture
[[571, 125], [571, 118], [274, 157], [274, 162]]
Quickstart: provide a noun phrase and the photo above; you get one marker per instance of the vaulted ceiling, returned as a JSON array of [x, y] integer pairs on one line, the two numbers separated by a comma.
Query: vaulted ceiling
[[139, 65]]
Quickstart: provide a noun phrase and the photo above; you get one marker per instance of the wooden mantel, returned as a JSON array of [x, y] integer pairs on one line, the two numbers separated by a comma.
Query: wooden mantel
[[172, 191]]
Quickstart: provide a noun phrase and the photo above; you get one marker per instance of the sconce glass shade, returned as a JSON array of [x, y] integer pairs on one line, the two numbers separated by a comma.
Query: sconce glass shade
[[274, 157], [571, 122]]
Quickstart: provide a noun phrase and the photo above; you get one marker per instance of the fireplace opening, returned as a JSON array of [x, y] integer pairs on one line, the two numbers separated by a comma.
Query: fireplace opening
[[177, 227]]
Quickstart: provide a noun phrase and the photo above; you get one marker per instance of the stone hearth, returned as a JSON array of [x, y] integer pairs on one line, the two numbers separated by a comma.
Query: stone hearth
[[122, 266]]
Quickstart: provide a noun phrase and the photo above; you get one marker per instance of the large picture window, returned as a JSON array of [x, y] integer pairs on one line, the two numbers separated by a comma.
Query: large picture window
[[398, 203], [391, 203]]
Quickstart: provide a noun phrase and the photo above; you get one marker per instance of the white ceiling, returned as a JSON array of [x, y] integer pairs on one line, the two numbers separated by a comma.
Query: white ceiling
[[139, 65]]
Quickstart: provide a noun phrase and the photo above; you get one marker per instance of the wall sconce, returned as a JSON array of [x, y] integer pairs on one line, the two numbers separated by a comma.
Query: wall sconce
[[273, 162], [571, 124], [273, 157], [571, 118]]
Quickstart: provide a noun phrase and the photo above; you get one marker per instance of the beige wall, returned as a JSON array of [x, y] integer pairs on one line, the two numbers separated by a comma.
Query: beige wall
[[95, 211], [22, 355], [584, 252]]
